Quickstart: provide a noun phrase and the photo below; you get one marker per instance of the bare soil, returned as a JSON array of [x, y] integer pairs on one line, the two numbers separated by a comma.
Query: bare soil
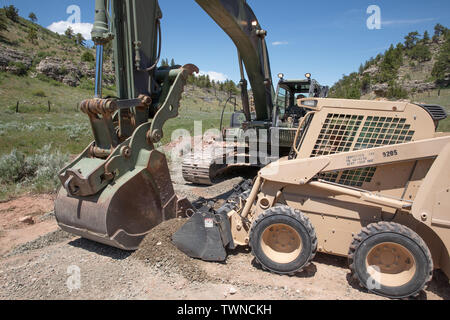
[[13, 232], [38, 264]]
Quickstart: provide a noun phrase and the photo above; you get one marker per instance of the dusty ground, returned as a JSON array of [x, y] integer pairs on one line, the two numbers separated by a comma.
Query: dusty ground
[[40, 262]]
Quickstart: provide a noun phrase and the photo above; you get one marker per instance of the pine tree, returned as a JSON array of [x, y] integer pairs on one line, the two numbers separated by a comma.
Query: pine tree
[[426, 36], [32, 35], [32, 17], [12, 13], [80, 40], [164, 62], [69, 33], [441, 67], [439, 30], [411, 39], [3, 25]]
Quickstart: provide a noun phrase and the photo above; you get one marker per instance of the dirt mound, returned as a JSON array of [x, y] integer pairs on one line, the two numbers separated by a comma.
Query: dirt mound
[[158, 251]]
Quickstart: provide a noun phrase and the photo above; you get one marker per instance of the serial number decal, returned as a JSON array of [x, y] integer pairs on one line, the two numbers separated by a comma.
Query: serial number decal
[[390, 154], [360, 159]]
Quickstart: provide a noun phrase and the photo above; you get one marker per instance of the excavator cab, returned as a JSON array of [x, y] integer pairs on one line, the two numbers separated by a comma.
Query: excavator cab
[[287, 113]]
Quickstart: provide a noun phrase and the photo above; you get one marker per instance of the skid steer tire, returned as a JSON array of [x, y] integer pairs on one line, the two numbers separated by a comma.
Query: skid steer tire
[[390, 260], [283, 240]]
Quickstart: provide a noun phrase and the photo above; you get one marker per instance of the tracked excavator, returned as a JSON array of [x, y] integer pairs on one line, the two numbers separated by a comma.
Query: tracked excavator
[[249, 142], [257, 138]]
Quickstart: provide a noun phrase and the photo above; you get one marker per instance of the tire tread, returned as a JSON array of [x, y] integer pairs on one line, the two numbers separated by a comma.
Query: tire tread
[[301, 218], [389, 227]]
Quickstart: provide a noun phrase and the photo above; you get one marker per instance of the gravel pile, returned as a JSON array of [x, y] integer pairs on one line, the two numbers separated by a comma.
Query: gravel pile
[[41, 242], [158, 251]]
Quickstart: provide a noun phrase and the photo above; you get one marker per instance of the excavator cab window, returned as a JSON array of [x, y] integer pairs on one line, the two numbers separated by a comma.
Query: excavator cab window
[[283, 98], [286, 106]]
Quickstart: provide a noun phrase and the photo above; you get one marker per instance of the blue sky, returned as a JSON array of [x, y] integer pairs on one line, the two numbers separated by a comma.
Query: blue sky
[[327, 38]]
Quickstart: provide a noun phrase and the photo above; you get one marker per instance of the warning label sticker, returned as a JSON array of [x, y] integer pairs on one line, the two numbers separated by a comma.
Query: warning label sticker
[[209, 223]]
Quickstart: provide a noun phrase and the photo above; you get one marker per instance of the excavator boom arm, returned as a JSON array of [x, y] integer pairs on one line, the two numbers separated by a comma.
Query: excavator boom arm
[[239, 22]]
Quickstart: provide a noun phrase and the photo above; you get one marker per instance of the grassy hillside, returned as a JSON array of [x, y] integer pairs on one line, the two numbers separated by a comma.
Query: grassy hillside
[[35, 142], [65, 131]]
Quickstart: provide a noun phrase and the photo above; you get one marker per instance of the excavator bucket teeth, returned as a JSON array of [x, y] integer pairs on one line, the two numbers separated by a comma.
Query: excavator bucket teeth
[[205, 236]]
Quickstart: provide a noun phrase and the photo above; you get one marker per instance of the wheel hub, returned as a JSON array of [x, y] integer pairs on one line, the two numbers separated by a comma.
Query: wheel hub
[[391, 264], [281, 243]]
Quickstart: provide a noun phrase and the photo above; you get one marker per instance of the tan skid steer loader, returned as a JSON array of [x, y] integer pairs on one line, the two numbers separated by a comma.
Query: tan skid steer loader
[[367, 180]]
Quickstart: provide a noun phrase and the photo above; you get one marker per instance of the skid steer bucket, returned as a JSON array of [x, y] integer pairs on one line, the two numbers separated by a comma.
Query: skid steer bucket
[[205, 236]]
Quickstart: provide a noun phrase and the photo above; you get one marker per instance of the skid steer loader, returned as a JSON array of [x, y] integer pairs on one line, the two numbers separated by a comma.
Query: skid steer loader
[[367, 180]]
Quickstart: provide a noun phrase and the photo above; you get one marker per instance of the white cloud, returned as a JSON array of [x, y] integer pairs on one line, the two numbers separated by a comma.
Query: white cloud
[[61, 27], [411, 21], [216, 76], [280, 43]]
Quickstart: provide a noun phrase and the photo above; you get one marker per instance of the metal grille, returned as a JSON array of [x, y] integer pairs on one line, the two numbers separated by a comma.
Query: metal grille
[[356, 178], [286, 136], [337, 135], [381, 131]]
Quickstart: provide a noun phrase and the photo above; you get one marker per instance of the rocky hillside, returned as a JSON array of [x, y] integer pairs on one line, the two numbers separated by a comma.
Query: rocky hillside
[[28, 49], [419, 64]]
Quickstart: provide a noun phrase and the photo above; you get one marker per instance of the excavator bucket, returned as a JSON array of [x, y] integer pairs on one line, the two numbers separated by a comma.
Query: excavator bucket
[[134, 197], [125, 211]]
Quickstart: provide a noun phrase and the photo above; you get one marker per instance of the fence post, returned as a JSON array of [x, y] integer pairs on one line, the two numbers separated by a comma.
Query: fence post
[[17, 107], [49, 106]]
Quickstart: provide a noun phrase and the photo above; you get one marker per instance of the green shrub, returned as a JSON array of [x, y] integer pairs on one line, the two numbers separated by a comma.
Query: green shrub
[[87, 56], [395, 91], [39, 93], [38, 172], [12, 167], [42, 54], [441, 67], [20, 68], [12, 13], [420, 53]]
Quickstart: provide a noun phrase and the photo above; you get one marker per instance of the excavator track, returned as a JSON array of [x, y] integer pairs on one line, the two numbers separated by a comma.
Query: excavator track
[[202, 169]]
